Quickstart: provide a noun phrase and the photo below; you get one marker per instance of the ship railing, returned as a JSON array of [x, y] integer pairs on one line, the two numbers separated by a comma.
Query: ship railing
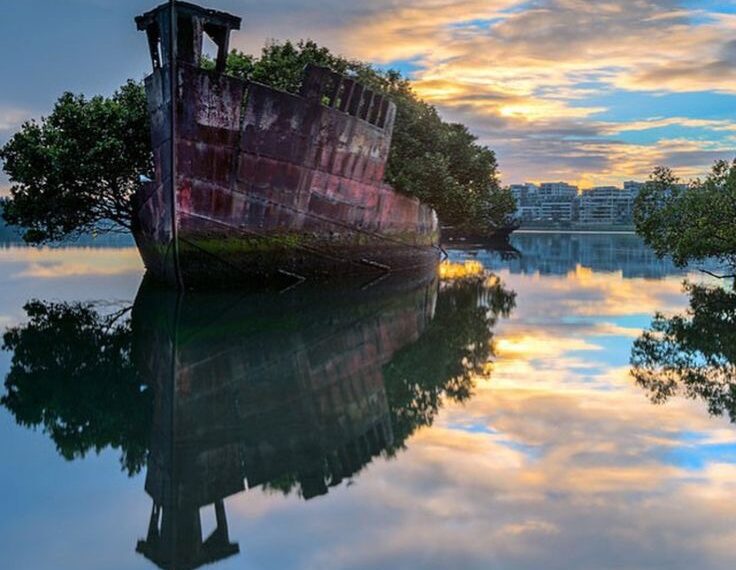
[[345, 94]]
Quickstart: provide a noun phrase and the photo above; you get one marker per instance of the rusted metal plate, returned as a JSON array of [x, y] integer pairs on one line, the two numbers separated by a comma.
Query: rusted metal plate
[[265, 182]]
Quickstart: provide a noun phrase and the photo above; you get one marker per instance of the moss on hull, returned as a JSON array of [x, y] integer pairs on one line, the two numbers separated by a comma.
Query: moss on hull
[[221, 260]]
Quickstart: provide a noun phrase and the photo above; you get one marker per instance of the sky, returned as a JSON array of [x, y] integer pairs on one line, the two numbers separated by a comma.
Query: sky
[[590, 92]]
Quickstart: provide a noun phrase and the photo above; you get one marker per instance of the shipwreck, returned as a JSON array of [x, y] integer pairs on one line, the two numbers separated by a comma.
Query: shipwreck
[[256, 186]]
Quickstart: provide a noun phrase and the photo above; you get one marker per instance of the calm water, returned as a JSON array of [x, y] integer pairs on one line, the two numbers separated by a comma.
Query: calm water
[[489, 421]]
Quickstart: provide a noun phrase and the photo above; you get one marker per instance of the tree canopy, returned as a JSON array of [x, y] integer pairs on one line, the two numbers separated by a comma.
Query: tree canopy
[[438, 162], [691, 222], [693, 354], [76, 170]]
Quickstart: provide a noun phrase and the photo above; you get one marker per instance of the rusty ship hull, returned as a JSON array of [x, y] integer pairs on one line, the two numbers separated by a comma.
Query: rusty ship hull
[[256, 186]]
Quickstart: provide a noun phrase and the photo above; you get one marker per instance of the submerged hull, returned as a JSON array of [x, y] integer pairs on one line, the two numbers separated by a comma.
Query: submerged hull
[[256, 186]]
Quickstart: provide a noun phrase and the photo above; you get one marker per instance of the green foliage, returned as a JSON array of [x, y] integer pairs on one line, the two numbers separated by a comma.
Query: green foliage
[[456, 347], [690, 222], [281, 65], [692, 354], [75, 171], [72, 374], [440, 163]]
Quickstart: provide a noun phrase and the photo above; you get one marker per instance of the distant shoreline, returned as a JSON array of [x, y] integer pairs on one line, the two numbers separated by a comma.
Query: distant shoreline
[[578, 228]]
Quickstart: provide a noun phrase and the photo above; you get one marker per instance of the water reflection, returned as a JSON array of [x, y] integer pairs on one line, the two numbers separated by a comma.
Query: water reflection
[[216, 394], [560, 253], [692, 354], [73, 374]]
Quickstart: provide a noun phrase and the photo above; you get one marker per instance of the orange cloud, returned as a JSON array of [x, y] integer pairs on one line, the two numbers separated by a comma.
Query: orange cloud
[[47, 263], [520, 75]]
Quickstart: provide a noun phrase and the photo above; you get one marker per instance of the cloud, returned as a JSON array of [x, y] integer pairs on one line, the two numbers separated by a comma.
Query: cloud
[[11, 118], [701, 58], [660, 122], [599, 161], [561, 89], [524, 76], [46, 263]]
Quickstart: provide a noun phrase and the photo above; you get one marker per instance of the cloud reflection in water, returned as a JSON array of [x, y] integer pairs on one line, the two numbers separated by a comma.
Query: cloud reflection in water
[[558, 460]]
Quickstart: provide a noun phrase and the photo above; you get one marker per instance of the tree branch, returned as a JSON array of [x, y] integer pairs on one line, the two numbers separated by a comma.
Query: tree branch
[[731, 276]]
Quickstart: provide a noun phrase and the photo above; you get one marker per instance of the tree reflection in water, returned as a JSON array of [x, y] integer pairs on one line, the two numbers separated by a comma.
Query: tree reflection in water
[[218, 392], [72, 374], [693, 354]]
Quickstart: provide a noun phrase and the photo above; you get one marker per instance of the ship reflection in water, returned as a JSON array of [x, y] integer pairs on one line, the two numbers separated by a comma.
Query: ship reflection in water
[[217, 394]]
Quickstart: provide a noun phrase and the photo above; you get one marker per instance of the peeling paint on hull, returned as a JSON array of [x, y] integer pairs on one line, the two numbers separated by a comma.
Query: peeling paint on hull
[[255, 186]]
